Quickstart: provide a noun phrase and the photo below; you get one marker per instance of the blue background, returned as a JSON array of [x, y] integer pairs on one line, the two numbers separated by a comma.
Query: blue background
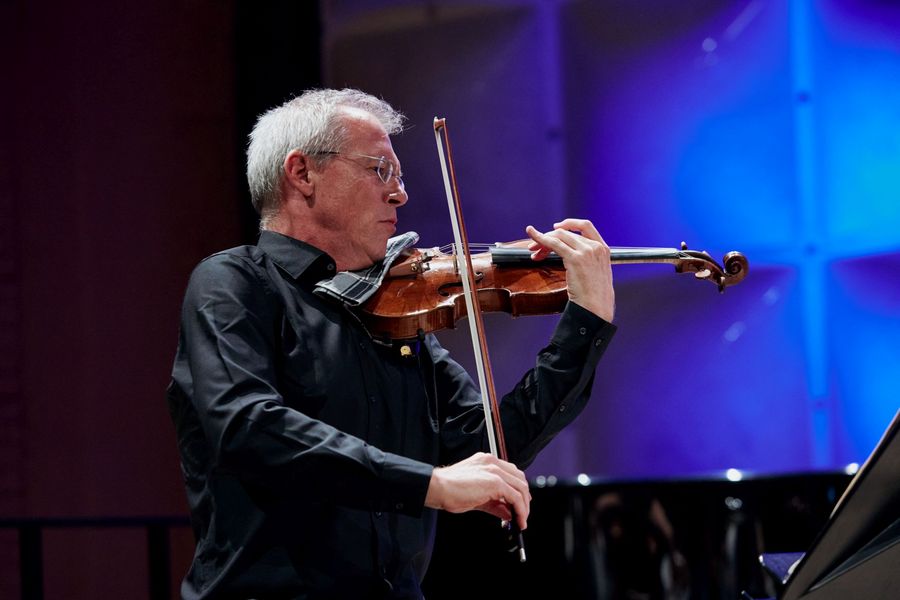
[[770, 128]]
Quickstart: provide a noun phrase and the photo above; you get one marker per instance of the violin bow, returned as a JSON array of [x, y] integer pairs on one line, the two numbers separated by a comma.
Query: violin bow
[[491, 407]]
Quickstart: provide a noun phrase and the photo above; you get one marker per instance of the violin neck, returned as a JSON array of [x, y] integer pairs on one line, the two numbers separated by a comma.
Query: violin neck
[[509, 256]]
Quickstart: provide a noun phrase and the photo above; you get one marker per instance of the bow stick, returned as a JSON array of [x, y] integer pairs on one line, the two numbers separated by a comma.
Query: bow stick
[[476, 323]]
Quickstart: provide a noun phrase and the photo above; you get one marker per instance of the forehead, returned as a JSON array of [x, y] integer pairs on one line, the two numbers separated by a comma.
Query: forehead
[[364, 131]]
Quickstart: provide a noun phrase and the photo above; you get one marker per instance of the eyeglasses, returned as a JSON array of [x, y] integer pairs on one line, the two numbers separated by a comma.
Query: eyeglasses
[[384, 169]]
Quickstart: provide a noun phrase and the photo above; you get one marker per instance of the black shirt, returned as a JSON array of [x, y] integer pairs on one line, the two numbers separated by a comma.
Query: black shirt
[[307, 448]]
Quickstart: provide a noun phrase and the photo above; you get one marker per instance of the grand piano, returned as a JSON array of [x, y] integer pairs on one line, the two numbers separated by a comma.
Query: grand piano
[[697, 538]]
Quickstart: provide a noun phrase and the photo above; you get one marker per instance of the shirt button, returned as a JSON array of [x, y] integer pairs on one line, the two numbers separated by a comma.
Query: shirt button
[[372, 399], [377, 513], [562, 408], [582, 330], [330, 267], [598, 342], [399, 506]]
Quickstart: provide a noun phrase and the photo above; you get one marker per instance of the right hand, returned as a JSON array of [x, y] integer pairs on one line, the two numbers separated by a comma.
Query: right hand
[[481, 482]]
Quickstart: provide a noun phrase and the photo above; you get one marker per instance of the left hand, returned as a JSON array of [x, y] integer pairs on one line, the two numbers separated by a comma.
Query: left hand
[[586, 257]]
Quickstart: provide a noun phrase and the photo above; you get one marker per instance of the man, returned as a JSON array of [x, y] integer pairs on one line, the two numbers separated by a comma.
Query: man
[[309, 449]]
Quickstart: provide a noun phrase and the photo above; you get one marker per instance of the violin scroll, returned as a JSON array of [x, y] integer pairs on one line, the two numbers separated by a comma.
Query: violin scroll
[[703, 266]]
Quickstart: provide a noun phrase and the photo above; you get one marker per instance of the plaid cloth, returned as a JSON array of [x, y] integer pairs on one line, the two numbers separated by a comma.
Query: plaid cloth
[[355, 287]]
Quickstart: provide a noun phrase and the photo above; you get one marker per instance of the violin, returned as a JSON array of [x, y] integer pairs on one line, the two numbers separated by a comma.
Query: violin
[[423, 292]]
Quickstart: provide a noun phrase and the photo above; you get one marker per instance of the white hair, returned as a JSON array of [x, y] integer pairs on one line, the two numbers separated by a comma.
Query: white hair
[[310, 123]]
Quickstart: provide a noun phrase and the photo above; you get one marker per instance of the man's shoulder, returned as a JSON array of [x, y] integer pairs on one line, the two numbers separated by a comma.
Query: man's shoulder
[[238, 254], [239, 257], [230, 286], [239, 266]]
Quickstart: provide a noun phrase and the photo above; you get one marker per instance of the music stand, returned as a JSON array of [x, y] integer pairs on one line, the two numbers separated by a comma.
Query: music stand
[[857, 553]]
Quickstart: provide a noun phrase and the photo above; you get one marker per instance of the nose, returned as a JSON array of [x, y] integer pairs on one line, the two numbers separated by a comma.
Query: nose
[[399, 197]]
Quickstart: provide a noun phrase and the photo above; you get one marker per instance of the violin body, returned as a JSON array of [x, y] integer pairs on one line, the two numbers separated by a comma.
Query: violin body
[[425, 292]]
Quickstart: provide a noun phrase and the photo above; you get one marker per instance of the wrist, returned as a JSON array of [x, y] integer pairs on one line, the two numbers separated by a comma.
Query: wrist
[[435, 485]]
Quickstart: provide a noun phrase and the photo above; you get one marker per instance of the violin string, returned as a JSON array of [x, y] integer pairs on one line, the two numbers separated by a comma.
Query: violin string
[[633, 251], [473, 246]]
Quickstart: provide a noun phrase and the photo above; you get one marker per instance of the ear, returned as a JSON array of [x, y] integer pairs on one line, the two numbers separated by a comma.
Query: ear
[[296, 168]]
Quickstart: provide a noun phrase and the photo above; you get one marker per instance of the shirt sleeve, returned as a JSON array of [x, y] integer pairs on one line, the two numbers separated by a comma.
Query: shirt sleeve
[[227, 374], [547, 398]]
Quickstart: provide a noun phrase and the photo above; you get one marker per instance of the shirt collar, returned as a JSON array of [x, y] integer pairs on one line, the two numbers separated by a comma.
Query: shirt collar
[[298, 259]]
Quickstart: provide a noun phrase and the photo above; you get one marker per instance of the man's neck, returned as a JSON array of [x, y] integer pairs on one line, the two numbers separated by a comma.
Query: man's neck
[[335, 248]]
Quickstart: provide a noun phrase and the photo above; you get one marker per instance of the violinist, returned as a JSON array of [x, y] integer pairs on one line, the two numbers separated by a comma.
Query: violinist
[[314, 456]]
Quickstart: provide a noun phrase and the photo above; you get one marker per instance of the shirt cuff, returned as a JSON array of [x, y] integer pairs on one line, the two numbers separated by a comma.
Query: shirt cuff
[[579, 329], [406, 484]]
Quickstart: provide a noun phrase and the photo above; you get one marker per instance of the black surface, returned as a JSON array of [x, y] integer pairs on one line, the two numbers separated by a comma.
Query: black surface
[[696, 539]]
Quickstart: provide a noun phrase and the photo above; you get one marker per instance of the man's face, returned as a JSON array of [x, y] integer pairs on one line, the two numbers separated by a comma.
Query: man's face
[[354, 211]]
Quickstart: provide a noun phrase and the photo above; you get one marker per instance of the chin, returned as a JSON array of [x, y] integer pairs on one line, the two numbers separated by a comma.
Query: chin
[[367, 260], [379, 251]]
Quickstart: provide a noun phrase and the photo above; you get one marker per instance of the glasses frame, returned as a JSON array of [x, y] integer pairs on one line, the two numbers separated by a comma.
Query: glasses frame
[[384, 169]]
